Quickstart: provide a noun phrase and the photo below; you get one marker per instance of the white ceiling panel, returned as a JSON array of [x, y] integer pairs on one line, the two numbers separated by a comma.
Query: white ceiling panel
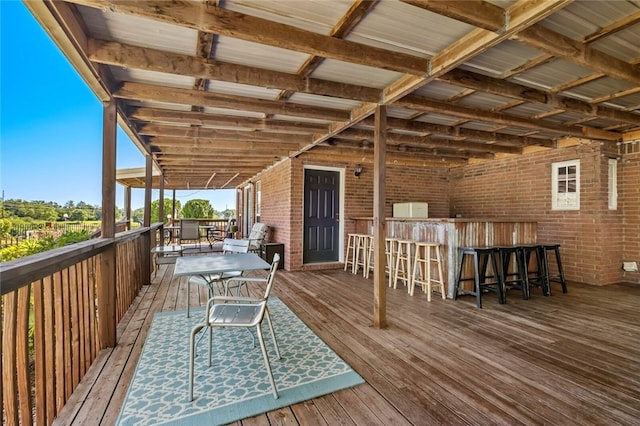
[[127, 29]]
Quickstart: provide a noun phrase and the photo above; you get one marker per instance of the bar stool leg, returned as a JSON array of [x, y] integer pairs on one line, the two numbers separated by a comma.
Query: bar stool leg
[[476, 279], [563, 282], [350, 247], [389, 251]]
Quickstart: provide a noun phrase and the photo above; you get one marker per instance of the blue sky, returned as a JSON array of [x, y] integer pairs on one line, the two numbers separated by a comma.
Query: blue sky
[[51, 124]]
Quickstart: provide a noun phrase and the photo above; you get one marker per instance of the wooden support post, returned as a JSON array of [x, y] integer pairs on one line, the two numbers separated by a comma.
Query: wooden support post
[[173, 209], [106, 288], [161, 210], [161, 200], [379, 222], [148, 186], [127, 206]]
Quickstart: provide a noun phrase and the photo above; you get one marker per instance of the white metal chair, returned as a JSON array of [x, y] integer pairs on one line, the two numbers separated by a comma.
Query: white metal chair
[[239, 312], [189, 231], [229, 245]]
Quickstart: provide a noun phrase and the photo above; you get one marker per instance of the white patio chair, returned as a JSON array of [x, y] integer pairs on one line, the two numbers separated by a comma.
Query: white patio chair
[[189, 231], [239, 312], [229, 245]]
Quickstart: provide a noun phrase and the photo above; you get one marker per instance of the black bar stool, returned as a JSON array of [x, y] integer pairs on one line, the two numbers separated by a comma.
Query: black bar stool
[[516, 278], [559, 276], [481, 258], [535, 275]]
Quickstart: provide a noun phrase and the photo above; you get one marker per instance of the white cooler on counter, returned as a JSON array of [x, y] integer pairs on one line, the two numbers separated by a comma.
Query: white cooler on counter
[[413, 209]]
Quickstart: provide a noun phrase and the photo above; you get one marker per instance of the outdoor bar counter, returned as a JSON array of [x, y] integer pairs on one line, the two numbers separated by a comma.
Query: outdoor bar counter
[[452, 233]]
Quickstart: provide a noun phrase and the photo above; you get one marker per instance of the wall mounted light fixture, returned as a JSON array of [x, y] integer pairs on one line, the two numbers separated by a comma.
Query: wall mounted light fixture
[[357, 170]]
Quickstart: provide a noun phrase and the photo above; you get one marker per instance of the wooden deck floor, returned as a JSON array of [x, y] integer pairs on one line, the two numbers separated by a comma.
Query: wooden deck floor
[[570, 359]]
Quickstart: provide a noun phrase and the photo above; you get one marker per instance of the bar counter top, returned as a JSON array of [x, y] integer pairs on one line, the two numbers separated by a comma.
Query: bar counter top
[[452, 233], [445, 219]]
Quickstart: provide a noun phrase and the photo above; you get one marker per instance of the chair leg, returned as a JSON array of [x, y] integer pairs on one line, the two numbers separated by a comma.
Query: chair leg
[[273, 333], [192, 356], [267, 364]]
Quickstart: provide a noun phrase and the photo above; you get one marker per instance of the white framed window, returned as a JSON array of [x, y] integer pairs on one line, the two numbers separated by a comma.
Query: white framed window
[[612, 179], [565, 180]]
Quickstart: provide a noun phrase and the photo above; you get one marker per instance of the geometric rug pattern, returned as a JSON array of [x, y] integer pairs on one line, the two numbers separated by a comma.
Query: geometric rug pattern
[[236, 386]]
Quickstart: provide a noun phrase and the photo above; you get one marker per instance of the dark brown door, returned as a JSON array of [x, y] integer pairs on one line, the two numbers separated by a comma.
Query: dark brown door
[[321, 222]]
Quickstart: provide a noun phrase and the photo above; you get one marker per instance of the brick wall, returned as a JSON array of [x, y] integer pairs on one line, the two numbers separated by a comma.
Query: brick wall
[[520, 187], [284, 183], [275, 209], [594, 240], [629, 201]]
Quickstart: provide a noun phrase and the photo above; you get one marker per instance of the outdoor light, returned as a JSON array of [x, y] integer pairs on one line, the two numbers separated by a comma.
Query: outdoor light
[[357, 171]]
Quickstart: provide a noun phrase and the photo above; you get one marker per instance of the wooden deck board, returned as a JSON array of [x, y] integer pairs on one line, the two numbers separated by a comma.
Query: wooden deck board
[[566, 359]]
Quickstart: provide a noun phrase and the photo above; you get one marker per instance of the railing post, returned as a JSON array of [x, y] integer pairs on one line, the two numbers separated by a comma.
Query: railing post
[[146, 258], [106, 287]]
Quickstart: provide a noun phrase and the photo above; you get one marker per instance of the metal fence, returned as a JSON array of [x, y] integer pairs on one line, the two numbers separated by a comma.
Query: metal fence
[[22, 231]]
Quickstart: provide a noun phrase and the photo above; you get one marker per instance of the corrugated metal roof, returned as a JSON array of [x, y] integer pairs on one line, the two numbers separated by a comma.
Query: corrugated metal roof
[[243, 90], [399, 28], [361, 75], [110, 26], [317, 16], [499, 60], [551, 74], [403, 28], [599, 88], [153, 77], [439, 90], [484, 100], [252, 54], [582, 18]]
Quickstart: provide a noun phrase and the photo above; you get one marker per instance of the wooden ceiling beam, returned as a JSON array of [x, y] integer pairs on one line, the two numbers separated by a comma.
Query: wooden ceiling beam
[[226, 22], [578, 52], [394, 158], [513, 90], [192, 165], [174, 95], [345, 24], [206, 133], [613, 28], [488, 16], [522, 14], [112, 53], [427, 142], [540, 60], [481, 14], [212, 120], [460, 132], [221, 145], [258, 152], [432, 105]]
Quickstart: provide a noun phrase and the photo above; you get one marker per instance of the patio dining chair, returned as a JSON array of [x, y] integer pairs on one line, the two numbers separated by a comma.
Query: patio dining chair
[[189, 231], [257, 236], [238, 312], [217, 235], [218, 281]]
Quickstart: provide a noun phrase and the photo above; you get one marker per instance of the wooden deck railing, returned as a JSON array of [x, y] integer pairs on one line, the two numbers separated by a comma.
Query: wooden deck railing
[[50, 318]]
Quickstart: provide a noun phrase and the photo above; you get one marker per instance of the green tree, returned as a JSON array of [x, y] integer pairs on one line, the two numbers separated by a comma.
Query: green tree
[[5, 227], [78, 214], [197, 208], [168, 203], [137, 215]]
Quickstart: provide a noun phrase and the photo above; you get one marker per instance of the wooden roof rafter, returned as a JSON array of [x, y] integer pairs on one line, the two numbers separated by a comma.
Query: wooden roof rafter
[[158, 99]]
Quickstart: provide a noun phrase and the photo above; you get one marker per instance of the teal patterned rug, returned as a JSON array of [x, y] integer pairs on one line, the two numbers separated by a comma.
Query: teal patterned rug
[[236, 386]]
